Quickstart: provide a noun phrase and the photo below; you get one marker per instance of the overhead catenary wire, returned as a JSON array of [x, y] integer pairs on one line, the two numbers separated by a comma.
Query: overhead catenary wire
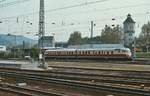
[[115, 8], [73, 6], [12, 3], [95, 20], [56, 29], [2, 1]]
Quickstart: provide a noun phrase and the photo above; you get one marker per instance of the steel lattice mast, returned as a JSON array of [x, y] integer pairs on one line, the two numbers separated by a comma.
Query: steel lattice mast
[[42, 32], [42, 19]]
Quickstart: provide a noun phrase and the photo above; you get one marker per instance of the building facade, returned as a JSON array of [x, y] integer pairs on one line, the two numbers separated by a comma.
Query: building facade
[[47, 42], [129, 31]]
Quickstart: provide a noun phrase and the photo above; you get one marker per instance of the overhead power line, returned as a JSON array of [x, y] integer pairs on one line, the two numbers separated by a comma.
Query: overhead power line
[[2, 1], [82, 4], [78, 5], [57, 9], [11, 3]]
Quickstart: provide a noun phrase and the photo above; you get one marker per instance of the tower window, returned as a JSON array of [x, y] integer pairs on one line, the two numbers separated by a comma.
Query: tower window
[[130, 34]]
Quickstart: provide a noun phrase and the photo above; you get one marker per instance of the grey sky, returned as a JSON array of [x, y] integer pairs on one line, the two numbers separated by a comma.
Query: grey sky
[[64, 22]]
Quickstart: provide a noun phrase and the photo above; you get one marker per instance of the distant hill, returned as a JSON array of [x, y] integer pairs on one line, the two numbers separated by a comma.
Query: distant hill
[[12, 40]]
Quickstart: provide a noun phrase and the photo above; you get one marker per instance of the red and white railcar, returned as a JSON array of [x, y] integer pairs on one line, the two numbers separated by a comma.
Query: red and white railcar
[[96, 53]]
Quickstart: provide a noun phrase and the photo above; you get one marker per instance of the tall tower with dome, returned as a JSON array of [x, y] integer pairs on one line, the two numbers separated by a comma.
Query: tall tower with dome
[[129, 31]]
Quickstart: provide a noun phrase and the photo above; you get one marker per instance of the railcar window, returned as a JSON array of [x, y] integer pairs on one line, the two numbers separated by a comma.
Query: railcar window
[[82, 52], [105, 52], [108, 52], [73, 53], [86, 53], [99, 52], [96, 52]]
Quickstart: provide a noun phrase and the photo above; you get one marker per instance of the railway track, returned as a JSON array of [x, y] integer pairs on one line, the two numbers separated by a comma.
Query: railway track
[[137, 61], [26, 91], [15, 92], [79, 76], [78, 84], [97, 79]]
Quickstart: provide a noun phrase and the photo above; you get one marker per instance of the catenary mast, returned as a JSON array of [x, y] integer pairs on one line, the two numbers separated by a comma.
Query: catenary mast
[[42, 32]]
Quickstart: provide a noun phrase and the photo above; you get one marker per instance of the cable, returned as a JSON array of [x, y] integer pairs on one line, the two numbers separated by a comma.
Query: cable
[[62, 8], [2, 1], [12, 3], [57, 9], [72, 24]]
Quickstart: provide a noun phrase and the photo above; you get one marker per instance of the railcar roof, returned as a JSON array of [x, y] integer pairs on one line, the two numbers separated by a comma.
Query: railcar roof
[[88, 49]]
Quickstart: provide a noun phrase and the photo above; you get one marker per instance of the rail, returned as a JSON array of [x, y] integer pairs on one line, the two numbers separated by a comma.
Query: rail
[[81, 84], [26, 91]]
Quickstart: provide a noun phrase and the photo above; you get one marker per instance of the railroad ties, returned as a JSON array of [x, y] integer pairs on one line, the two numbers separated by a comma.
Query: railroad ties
[[126, 82]]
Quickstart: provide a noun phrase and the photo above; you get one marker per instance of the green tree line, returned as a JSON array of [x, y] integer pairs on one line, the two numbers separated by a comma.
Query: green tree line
[[108, 35], [113, 35]]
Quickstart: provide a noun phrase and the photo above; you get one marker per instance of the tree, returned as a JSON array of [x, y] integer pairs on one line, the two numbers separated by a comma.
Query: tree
[[75, 38], [111, 35], [87, 40], [144, 37]]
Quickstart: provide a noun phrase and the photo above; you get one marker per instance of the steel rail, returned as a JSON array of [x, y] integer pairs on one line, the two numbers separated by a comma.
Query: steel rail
[[82, 85], [101, 78], [98, 69], [75, 68], [27, 91], [51, 73], [138, 80], [83, 69], [15, 92]]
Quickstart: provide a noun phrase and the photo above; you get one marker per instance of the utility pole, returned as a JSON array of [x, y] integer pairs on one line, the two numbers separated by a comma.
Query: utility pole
[[92, 24], [42, 33], [133, 46]]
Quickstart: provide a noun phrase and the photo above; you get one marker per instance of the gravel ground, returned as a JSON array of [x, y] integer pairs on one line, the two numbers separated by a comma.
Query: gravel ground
[[101, 65], [2, 93]]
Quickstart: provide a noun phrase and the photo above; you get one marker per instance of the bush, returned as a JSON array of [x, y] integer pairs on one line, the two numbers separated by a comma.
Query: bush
[[143, 54]]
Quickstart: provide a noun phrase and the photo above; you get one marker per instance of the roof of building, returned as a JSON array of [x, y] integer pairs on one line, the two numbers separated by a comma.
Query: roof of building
[[129, 19], [87, 49], [86, 46], [47, 37]]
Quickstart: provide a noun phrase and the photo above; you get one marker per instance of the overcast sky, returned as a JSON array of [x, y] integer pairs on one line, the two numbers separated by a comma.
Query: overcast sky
[[63, 22]]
